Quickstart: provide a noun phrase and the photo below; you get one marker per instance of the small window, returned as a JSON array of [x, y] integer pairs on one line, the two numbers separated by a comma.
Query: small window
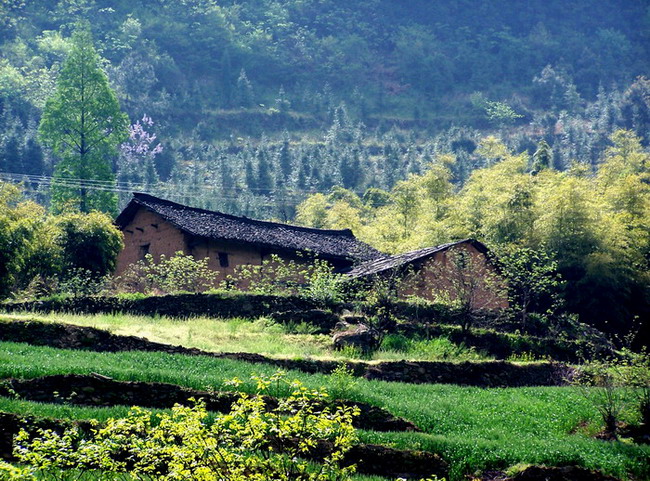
[[223, 259], [144, 250]]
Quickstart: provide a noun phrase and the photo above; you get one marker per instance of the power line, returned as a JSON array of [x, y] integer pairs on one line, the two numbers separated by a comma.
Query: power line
[[127, 188], [40, 178]]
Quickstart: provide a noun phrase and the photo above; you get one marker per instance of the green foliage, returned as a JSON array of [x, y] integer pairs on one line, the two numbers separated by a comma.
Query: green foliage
[[501, 113], [248, 443], [88, 241], [343, 383], [617, 385], [47, 252], [82, 282], [572, 242], [19, 222], [306, 275], [436, 349], [636, 374], [603, 387], [534, 284], [178, 273], [82, 124], [9, 472]]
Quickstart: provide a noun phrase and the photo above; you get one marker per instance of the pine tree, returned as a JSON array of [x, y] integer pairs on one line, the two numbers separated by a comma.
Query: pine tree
[[244, 91], [82, 123], [264, 180], [284, 157], [543, 157]]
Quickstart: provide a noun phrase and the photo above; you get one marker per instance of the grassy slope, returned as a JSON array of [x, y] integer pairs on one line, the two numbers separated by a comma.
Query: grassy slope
[[260, 336], [473, 428]]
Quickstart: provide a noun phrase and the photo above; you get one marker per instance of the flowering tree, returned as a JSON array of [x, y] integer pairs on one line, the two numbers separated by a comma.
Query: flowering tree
[[137, 165]]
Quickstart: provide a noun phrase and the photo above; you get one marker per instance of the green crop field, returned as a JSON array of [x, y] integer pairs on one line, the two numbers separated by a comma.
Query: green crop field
[[473, 428]]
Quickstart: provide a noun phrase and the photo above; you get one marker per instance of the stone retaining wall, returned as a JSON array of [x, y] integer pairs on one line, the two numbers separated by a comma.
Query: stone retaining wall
[[184, 306]]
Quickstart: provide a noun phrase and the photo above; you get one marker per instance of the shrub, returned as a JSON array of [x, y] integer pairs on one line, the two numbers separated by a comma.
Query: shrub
[[82, 282], [636, 374], [343, 382], [251, 442], [313, 279], [88, 241], [601, 384], [173, 275]]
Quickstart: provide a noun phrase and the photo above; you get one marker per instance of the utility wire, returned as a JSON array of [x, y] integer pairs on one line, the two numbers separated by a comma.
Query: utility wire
[[125, 187]]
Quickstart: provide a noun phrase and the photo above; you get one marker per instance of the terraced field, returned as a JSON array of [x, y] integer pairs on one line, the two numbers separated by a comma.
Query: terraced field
[[471, 429]]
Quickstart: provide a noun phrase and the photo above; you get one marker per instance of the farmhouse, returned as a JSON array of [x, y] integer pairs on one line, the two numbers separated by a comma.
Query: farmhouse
[[461, 270], [161, 227]]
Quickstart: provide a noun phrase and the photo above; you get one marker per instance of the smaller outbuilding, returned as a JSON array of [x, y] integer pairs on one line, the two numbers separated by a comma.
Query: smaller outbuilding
[[461, 270]]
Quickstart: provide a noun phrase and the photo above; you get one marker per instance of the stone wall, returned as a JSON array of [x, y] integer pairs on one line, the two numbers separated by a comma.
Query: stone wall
[[485, 374], [183, 306]]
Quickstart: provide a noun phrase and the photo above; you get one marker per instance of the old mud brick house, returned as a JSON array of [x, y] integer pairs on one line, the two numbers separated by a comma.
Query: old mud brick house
[[461, 269], [156, 226]]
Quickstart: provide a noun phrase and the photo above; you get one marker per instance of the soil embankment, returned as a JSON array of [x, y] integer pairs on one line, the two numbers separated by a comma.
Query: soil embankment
[[483, 374], [101, 391]]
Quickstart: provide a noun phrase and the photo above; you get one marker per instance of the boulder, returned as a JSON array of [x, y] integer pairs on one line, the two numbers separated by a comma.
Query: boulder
[[359, 336]]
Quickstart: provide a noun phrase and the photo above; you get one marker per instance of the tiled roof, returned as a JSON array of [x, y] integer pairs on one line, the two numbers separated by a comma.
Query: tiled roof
[[386, 263], [208, 224]]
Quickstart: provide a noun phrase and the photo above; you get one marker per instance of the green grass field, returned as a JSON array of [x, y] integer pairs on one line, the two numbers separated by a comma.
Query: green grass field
[[261, 336], [473, 428]]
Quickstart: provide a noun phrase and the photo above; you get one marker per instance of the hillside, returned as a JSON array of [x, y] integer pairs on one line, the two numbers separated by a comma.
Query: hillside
[[257, 104]]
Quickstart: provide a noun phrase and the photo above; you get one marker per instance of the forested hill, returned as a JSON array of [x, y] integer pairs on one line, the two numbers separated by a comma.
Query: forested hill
[[257, 103]]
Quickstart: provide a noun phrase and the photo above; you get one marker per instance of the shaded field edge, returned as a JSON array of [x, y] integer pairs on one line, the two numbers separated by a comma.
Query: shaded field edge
[[468, 373]]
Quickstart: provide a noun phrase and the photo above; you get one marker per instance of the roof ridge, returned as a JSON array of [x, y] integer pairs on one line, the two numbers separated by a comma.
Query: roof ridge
[[342, 232], [393, 261]]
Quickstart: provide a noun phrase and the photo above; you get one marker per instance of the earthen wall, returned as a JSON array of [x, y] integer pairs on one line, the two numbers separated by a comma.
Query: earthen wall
[[440, 275]]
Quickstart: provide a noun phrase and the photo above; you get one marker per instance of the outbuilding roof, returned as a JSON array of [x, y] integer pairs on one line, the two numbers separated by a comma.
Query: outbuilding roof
[[387, 263], [339, 244]]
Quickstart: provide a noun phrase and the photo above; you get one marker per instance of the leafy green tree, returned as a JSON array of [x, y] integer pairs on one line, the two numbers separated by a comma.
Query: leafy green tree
[[88, 241], [406, 197], [533, 282], [501, 113], [82, 123], [312, 211], [18, 222]]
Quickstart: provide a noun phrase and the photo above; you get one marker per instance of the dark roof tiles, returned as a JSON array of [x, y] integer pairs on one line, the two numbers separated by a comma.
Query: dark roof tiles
[[386, 263], [216, 225]]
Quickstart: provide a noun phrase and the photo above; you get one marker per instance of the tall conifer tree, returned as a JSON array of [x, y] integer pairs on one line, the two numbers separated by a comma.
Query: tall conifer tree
[[82, 123]]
